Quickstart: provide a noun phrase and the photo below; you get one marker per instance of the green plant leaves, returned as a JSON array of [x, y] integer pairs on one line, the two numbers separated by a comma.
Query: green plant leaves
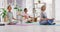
[[18, 8], [4, 13]]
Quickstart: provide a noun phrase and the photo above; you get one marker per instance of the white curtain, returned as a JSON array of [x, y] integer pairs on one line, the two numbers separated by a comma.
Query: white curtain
[[1, 6], [1, 3]]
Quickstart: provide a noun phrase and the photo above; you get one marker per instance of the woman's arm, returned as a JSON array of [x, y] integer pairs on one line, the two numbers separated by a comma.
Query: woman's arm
[[14, 18], [51, 19], [43, 18]]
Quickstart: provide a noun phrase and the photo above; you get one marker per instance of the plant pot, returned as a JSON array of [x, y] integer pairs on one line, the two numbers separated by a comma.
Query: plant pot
[[35, 19], [5, 19]]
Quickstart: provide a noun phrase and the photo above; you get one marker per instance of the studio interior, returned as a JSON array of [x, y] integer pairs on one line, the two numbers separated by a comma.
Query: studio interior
[[33, 8]]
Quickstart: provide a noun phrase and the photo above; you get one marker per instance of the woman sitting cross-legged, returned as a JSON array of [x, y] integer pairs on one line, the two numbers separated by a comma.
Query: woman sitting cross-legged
[[44, 20], [26, 16], [10, 16]]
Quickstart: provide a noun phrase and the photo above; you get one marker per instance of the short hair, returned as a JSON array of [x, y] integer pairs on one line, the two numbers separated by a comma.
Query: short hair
[[43, 6], [25, 9], [8, 6]]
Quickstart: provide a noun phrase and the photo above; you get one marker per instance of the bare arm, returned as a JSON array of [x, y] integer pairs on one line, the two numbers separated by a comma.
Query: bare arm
[[46, 19]]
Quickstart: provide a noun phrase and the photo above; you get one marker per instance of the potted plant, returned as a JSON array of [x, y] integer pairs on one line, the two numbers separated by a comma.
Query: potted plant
[[18, 11], [18, 8], [4, 14], [35, 18]]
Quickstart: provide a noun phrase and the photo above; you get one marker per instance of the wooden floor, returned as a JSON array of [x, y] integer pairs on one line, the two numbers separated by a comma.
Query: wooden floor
[[34, 28], [31, 28]]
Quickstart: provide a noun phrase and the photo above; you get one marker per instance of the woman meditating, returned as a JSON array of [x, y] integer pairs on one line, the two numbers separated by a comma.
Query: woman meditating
[[44, 20], [26, 16]]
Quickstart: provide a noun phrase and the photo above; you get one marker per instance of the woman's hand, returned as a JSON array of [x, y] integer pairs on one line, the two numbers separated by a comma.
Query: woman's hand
[[44, 19], [15, 19], [51, 19]]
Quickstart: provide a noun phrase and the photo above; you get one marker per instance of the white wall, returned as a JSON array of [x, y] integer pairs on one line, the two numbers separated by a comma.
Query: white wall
[[29, 6], [57, 9]]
